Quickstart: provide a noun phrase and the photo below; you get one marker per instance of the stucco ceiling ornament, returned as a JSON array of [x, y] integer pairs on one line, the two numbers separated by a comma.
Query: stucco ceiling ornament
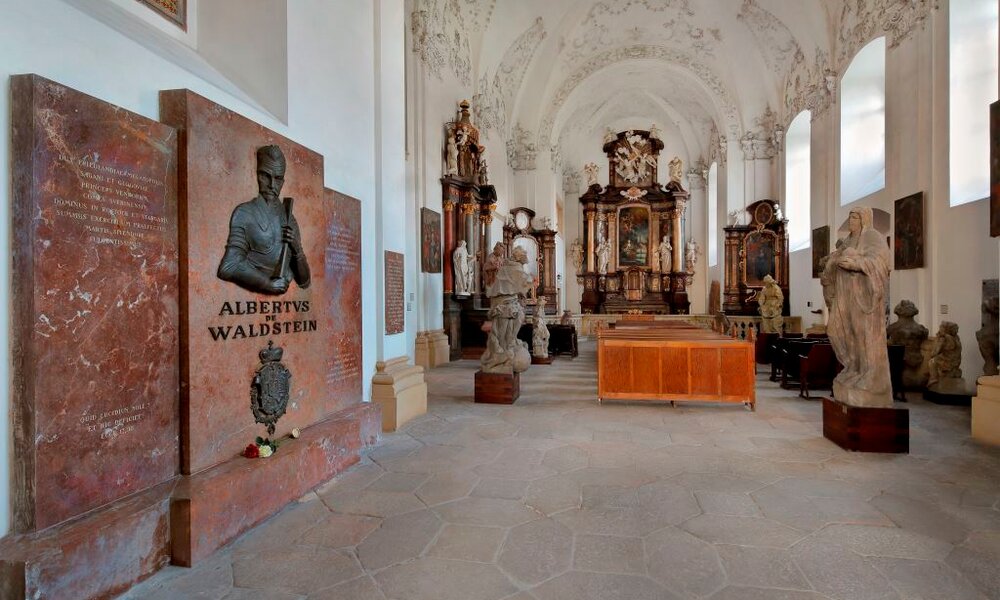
[[496, 97], [777, 43], [441, 37], [714, 86], [556, 161], [810, 86], [861, 21], [521, 150], [716, 147], [488, 106], [571, 182]]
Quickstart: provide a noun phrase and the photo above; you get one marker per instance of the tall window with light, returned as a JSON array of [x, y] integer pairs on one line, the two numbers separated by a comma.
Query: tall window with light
[[862, 124], [972, 74], [798, 199], [713, 215]]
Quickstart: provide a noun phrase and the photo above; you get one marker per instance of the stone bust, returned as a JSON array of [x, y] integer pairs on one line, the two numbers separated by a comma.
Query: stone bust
[[946, 358], [264, 249], [911, 335]]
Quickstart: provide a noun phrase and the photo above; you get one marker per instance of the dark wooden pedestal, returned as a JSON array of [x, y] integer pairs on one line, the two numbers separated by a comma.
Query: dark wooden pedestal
[[949, 397], [497, 388], [866, 429], [535, 360]]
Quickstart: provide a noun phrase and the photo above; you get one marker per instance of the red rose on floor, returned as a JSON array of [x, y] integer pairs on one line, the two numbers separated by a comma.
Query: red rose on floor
[[252, 451]]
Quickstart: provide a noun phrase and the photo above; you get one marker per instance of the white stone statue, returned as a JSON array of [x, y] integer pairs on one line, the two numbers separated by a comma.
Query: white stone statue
[[465, 271], [855, 283], [945, 364], [504, 352], [576, 253], [676, 169], [654, 132], [666, 255], [691, 254], [609, 135], [540, 332], [591, 170], [603, 256], [452, 155], [770, 300]]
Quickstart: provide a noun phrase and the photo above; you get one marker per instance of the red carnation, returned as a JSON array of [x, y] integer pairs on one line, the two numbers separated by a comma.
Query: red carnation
[[252, 451]]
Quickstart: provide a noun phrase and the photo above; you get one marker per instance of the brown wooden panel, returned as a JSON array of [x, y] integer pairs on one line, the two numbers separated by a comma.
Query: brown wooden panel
[[704, 371], [674, 371], [616, 371], [737, 378], [646, 370]]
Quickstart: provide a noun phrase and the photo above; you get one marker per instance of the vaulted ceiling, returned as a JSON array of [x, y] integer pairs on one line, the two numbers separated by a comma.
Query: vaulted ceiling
[[541, 70]]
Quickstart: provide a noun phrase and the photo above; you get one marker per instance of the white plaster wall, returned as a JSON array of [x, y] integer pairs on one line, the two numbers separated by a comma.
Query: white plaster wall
[[332, 110]]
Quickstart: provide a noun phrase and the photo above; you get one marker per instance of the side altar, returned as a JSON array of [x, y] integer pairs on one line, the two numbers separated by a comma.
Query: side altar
[[633, 232]]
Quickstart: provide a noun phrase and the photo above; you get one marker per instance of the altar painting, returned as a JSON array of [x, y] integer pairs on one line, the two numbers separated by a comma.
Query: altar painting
[[633, 236], [758, 258]]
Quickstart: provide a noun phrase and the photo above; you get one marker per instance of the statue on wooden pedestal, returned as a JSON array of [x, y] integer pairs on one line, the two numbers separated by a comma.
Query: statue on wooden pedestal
[[493, 262], [770, 300], [464, 270], [540, 332], [691, 254], [946, 358], [666, 255], [451, 155], [591, 170], [911, 335], [855, 283], [504, 352]]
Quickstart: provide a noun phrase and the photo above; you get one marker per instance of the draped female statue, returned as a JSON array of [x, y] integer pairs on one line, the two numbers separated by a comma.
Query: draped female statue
[[856, 281]]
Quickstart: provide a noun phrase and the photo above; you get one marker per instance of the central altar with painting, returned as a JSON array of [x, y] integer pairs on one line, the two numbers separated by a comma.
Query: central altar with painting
[[633, 232]]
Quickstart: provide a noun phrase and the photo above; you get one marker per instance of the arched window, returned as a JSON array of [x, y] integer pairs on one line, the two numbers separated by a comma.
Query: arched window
[[713, 215], [862, 124], [972, 68], [798, 198]]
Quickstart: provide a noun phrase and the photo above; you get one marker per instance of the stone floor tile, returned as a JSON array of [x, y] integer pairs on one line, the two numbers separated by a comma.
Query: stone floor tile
[[850, 511], [824, 488], [760, 567], [926, 579], [841, 574], [577, 585], [566, 458], [746, 593], [468, 542], [868, 540], [508, 489], [298, 569], [489, 512], [373, 504], [536, 551], [743, 531], [447, 486], [713, 482], [688, 566], [244, 594], [440, 579], [552, 495], [921, 517], [609, 554], [283, 529], [339, 530], [720, 503], [514, 470], [977, 560], [399, 539], [208, 580], [397, 482], [795, 511], [362, 588]]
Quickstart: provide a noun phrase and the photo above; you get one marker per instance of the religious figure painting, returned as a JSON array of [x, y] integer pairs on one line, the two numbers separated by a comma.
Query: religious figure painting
[[909, 232], [174, 10], [633, 236], [430, 241], [759, 260], [820, 249]]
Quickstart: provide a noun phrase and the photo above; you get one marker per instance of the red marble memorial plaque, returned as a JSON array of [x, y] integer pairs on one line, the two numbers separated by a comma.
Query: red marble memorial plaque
[[224, 326], [395, 317], [343, 264], [94, 302]]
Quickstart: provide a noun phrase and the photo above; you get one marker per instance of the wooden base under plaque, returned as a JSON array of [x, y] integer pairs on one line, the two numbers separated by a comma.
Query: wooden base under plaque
[[866, 429], [497, 388]]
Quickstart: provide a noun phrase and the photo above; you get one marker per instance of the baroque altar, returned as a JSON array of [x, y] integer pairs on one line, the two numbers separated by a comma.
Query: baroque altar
[[754, 251], [626, 225]]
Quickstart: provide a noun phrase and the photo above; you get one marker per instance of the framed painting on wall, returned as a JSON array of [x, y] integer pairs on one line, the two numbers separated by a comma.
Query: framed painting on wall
[[633, 236], [430, 241], [174, 10], [759, 258], [820, 249], [908, 221], [995, 169]]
